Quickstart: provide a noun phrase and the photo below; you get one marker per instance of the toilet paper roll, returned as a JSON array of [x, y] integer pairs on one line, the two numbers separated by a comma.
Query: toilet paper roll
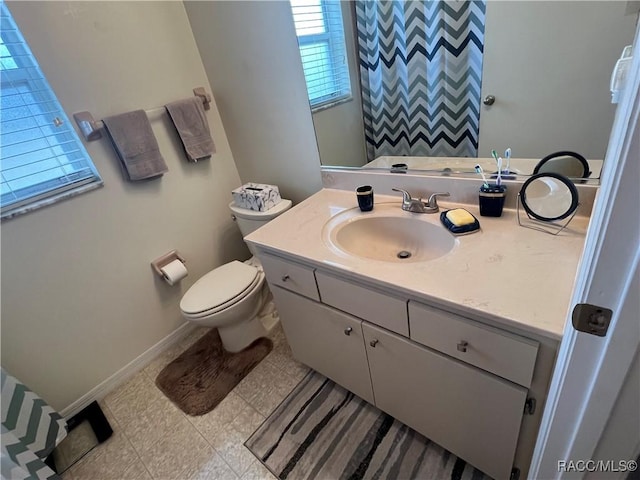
[[174, 271]]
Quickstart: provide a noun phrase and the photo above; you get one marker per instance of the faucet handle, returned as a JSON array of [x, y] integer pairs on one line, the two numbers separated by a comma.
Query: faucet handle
[[406, 196], [433, 200]]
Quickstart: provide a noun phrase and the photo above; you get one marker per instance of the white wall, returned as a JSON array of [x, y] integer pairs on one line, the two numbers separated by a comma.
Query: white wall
[[251, 57], [79, 299]]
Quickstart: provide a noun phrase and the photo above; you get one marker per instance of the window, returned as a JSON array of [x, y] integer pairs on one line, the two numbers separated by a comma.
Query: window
[[322, 49], [41, 159]]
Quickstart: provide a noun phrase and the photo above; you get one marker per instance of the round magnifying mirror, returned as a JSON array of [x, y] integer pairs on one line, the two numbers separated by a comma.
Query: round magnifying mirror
[[549, 196], [569, 164]]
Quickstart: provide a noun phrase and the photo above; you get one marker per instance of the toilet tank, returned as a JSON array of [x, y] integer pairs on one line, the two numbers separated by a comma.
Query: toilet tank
[[250, 220]]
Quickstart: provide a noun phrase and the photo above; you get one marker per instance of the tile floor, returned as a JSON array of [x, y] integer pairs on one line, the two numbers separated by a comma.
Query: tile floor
[[153, 439]]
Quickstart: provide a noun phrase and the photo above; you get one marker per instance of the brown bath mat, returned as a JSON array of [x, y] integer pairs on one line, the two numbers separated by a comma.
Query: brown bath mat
[[205, 373]]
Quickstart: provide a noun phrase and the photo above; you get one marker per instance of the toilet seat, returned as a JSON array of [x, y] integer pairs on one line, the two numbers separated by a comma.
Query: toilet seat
[[234, 301], [220, 288]]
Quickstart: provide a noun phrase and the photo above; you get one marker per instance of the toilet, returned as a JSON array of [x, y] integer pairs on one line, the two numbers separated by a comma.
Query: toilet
[[231, 296]]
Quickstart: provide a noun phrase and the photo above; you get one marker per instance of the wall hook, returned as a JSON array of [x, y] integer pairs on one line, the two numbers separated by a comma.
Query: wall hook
[[88, 126]]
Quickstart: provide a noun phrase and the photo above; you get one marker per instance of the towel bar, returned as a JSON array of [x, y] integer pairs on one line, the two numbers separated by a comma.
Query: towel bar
[[90, 128]]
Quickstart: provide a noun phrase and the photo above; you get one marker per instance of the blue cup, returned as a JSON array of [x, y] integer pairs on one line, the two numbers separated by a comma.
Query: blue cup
[[365, 197], [491, 199]]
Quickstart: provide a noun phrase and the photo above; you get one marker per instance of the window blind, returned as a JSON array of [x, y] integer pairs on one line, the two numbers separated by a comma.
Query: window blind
[[321, 40], [41, 156]]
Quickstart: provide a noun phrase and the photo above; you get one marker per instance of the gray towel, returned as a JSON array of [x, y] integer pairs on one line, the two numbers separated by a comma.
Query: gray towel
[[191, 122], [136, 145]]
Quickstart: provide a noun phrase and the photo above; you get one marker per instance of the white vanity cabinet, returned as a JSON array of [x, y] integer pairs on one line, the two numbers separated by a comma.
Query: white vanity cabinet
[[327, 340], [460, 383], [471, 413]]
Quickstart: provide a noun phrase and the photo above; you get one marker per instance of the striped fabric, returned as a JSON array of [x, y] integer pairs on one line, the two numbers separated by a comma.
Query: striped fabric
[[30, 431], [17, 462], [322, 431], [421, 73]]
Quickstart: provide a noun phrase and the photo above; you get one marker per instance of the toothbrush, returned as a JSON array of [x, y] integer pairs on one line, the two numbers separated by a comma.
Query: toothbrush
[[494, 154], [507, 155], [499, 178], [481, 172]]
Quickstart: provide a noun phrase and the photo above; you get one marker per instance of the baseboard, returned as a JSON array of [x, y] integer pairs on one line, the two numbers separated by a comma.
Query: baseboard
[[128, 371]]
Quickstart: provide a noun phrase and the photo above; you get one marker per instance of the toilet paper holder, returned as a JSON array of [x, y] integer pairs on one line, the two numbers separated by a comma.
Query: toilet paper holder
[[166, 259]]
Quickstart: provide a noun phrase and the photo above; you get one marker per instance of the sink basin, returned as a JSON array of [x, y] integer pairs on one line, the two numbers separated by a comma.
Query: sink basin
[[388, 234]]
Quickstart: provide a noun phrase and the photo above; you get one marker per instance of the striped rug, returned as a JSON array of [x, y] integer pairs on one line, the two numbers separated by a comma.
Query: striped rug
[[323, 431]]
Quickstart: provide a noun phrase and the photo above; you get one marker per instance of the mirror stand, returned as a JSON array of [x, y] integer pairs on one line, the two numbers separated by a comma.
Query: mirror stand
[[87, 429], [550, 227]]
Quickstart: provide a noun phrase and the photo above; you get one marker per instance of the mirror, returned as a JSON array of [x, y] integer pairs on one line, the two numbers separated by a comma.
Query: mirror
[[548, 65], [86, 430], [549, 197]]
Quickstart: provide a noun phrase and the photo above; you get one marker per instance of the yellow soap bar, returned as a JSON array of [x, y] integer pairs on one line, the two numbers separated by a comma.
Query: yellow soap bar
[[460, 217]]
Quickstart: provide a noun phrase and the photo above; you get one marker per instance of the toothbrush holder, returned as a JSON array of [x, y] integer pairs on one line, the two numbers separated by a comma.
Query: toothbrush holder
[[491, 200], [365, 197]]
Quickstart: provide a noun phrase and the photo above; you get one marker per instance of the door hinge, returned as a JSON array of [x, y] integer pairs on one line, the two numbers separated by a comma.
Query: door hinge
[[591, 319], [515, 474], [530, 406]]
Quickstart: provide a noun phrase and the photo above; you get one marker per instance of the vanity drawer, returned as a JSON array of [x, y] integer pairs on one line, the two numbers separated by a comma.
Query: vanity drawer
[[507, 355], [292, 276], [376, 307]]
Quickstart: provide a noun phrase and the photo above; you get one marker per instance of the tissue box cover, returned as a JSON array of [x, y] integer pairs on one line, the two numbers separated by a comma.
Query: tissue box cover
[[256, 196]]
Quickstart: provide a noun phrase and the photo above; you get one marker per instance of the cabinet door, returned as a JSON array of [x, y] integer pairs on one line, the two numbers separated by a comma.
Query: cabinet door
[[471, 413], [508, 356], [325, 339]]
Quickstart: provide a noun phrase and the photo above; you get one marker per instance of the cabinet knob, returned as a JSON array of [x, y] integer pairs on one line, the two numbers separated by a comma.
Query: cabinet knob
[[373, 342], [348, 330], [462, 346], [285, 278]]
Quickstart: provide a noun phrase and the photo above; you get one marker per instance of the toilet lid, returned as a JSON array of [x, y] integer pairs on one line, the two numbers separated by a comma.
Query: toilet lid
[[218, 286]]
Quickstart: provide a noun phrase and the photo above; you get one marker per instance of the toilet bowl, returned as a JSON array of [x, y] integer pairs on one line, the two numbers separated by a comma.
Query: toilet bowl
[[231, 296]]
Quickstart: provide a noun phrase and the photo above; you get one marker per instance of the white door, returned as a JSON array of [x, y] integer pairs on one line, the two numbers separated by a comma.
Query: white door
[[584, 398], [548, 64]]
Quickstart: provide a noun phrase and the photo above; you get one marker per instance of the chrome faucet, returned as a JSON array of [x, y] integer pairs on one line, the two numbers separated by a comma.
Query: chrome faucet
[[416, 205]]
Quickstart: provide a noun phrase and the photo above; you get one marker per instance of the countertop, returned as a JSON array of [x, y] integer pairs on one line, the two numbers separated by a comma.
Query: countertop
[[506, 274]]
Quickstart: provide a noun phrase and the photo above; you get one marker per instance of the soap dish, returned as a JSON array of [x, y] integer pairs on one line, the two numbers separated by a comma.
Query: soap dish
[[460, 229]]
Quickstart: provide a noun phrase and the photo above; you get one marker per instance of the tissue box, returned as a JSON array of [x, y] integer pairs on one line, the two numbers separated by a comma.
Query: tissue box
[[256, 196]]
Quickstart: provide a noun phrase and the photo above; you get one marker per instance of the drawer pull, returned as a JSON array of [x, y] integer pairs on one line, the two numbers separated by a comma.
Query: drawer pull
[[462, 346], [347, 331], [373, 342], [285, 278]]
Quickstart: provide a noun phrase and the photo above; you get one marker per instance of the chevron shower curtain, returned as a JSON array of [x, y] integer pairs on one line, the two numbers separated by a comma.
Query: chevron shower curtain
[[421, 72], [30, 430]]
